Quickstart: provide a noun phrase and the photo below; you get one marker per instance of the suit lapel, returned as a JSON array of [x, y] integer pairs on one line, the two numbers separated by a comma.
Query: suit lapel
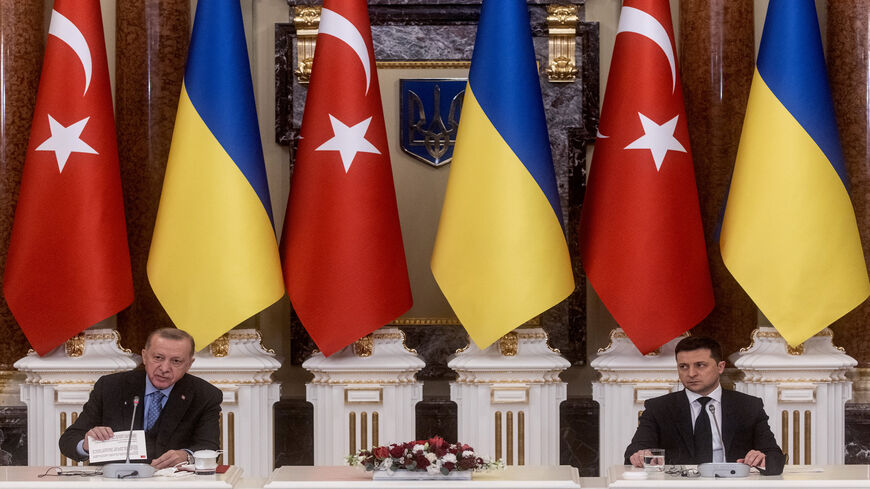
[[684, 421], [729, 419], [177, 404], [134, 386]]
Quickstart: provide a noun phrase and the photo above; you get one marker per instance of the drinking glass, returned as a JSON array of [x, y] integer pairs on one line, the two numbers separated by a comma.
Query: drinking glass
[[654, 459]]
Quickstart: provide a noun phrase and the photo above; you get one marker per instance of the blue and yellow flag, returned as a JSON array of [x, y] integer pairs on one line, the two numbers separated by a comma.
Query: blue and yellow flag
[[214, 258], [789, 234], [500, 255]]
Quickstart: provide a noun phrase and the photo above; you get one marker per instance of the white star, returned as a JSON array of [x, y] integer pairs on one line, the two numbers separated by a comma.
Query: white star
[[348, 141], [659, 139], [65, 140]]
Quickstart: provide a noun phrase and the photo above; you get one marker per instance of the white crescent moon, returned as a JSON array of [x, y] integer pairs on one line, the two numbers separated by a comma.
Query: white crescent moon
[[333, 24], [640, 22], [63, 29]]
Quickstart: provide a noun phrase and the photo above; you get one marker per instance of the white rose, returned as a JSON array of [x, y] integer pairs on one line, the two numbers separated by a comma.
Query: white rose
[[449, 458], [388, 462], [417, 448], [431, 457], [467, 454], [434, 468]]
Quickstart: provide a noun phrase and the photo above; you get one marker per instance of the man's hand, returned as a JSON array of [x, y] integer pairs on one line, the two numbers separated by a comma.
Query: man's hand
[[169, 459], [637, 458], [101, 433], [753, 458]]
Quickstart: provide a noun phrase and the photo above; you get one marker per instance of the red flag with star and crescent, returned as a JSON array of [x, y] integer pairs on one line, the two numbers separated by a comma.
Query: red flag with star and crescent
[[68, 265], [342, 252], [641, 238]]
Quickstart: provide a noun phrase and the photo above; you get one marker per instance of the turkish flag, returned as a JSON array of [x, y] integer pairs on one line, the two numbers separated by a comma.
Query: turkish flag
[[68, 265], [342, 253], [641, 239]]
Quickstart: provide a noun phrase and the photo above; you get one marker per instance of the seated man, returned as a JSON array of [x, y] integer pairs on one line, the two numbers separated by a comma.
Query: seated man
[[705, 423], [180, 413]]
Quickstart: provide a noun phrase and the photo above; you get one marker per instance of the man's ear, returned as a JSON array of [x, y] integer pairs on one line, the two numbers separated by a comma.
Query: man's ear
[[721, 366]]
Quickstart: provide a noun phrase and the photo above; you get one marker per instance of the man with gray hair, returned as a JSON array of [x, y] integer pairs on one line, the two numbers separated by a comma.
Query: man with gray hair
[[180, 413]]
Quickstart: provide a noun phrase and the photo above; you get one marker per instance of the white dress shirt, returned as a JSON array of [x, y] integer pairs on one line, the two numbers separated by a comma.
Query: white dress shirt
[[715, 418]]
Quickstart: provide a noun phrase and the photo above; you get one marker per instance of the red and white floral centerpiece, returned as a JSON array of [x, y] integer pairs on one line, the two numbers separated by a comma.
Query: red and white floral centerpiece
[[434, 458]]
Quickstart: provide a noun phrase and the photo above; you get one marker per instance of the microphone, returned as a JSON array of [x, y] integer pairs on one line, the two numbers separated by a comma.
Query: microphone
[[712, 409], [127, 470], [721, 469]]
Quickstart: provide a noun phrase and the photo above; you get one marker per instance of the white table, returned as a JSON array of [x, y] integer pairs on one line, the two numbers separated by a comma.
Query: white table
[[27, 478], [803, 476], [526, 477]]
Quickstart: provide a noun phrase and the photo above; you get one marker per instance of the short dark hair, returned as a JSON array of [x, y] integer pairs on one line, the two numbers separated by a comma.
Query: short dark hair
[[692, 343], [172, 334]]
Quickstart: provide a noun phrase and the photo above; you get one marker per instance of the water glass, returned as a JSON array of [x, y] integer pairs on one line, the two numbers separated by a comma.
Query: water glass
[[654, 459]]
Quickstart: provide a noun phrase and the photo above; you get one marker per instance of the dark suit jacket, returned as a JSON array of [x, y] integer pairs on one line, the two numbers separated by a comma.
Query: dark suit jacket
[[666, 423], [190, 419]]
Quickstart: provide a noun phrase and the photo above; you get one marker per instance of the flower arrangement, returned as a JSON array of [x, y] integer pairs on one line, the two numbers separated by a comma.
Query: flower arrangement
[[435, 456]]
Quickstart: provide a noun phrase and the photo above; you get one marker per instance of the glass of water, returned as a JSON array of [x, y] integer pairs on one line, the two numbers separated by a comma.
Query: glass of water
[[654, 459]]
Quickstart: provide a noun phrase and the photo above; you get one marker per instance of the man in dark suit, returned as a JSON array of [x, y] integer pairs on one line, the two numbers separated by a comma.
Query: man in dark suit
[[705, 423], [180, 413]]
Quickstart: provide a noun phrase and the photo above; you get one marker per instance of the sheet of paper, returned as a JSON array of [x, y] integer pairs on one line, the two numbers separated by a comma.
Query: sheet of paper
[[115, 448]]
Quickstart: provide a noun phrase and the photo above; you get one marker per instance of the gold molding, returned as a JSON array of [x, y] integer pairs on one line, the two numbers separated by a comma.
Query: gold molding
[[562, 28], [75, 346], [795, 350], [364, 347], [307, 21], [451, 321], [221, 346], [508, 345], [424, 65], [615, 334]]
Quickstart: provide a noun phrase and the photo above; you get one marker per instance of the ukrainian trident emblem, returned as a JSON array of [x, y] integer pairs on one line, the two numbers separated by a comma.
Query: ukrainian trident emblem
[[430, 117]]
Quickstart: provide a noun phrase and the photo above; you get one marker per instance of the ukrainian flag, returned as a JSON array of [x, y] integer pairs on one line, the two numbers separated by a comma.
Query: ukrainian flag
[[214, 258], [789, 234], [500, 254]]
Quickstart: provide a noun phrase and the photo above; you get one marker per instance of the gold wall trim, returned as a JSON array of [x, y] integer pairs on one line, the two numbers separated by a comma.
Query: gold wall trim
[[351, 422], [364, 347], [307, 21], [509, 344], [521, 438], [452, 321], [808, 437], [498, 436], [796, 432], [231, 438], [62, 429], [423, 65], [785, 434], [562, 27], [363, 431], [375, 428], [221, 346], [509, 421], [75, 346]]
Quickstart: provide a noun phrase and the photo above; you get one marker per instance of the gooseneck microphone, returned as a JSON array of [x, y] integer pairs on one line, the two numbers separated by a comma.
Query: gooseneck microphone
[[127, 470], [721, 469], [712, 409]]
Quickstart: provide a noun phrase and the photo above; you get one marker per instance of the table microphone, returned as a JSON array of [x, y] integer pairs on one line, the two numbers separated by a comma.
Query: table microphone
[[127, 470], [721, 469]]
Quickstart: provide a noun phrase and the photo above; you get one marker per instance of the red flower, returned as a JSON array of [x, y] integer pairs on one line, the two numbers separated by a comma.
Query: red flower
[[437, 442], [449, 465], [381, 452], [396, 451]]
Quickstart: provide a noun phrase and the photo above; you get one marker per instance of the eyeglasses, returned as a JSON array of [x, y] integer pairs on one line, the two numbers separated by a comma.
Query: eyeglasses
[[682, 471]]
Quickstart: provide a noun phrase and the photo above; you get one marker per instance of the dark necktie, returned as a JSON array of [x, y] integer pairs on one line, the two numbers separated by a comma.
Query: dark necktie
[[703, 435], [155, 405]]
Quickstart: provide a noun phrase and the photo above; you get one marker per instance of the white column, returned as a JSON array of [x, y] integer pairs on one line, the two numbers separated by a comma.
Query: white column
[[628, 378], [508, 398], [58, 384], [242, 368], [804, 392], [363, 395]]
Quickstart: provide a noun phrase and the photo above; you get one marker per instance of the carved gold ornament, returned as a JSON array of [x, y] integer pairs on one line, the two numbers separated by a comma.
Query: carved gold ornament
[[562, 27]]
